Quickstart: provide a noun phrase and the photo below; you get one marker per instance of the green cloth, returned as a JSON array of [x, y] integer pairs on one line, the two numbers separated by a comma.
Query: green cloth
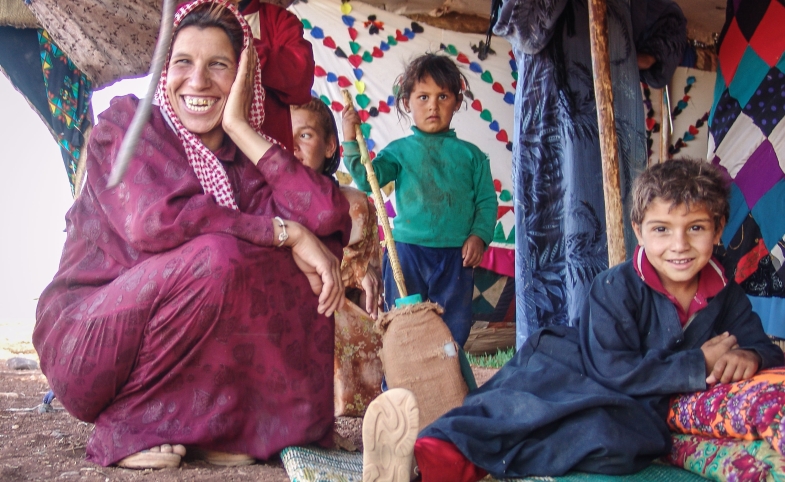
[[443, 187]]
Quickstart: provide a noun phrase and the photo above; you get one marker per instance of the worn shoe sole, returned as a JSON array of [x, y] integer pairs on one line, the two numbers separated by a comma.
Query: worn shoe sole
[[390, 429], [225, 459]]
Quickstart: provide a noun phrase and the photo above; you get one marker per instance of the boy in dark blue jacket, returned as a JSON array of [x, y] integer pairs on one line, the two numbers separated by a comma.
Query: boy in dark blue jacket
[[595, 397]]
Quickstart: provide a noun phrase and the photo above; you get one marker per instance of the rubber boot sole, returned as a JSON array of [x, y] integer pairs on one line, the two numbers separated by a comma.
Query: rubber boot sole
[[390, 429]]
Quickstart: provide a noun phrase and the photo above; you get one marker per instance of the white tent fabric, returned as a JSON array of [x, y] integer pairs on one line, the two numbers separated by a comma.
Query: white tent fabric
[[372, 63]]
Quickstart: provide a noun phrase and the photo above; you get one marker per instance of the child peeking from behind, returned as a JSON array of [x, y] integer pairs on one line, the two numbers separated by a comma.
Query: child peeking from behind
[[595, 397], [316, 146], [445, 197]]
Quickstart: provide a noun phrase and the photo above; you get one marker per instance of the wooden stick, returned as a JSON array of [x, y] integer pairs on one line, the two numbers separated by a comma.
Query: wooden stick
[[378, 200], [603, 93], [131, 138]]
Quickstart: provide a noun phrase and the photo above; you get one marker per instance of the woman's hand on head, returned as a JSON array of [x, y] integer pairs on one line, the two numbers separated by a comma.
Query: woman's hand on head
[[319, 265], [238, 105]]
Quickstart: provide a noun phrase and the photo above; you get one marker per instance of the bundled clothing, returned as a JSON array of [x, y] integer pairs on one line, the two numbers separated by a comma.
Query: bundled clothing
[[595, 397], [560, 240]]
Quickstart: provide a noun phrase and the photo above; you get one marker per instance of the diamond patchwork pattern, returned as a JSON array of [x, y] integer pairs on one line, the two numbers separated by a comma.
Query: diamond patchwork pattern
[[766, 107], [751, 72], [749, 16], [759, 174], [747, 128], [731, 51], [742, 140], [725, 114], [768, 40]]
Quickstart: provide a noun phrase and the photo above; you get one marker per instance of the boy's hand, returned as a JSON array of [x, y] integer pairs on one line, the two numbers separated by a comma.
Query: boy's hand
[[350, 120], [715, 348], [733, 366], [472, 251]]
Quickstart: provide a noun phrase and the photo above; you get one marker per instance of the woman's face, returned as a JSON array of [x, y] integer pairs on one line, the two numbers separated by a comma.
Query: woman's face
[[202, 69], [310, 145]]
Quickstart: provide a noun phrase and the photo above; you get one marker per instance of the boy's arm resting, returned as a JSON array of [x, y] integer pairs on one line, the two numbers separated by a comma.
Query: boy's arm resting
[[384, 165], [745, 325], [613, 345], [485, 204]]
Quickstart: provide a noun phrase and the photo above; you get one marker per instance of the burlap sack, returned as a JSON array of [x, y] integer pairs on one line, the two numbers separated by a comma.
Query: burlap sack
[[419, 354], [14, 13], [358, 369]]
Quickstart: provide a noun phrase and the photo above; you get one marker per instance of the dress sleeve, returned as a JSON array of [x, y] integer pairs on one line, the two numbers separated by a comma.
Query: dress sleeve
[[284, 54], [529, 24], [616, 354], [485, 204], [664, 37], [385, 165], [303, 195], [160, 204]]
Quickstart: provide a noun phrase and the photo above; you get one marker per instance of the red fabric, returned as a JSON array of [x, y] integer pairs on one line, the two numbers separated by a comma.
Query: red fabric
[[174, 320], [499, 260], [286, 59], [712, 280], [441, 461]]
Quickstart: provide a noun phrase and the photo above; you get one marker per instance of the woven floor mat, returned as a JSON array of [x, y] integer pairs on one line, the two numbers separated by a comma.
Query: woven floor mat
[[312, 464]]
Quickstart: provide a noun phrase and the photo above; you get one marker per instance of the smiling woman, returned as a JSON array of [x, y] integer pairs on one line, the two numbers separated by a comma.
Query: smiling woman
[[193, 305]]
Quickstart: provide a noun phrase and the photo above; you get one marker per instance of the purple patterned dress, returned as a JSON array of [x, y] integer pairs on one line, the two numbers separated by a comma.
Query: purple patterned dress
[[175, 320]]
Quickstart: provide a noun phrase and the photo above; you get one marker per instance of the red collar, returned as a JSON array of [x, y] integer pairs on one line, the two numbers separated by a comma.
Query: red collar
[[711, 280]]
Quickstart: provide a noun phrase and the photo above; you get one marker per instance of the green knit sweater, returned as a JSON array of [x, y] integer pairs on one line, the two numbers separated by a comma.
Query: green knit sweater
[[443, 187]]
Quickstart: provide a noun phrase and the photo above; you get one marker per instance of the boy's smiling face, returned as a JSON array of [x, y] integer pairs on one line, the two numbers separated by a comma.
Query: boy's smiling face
[[678, 242]]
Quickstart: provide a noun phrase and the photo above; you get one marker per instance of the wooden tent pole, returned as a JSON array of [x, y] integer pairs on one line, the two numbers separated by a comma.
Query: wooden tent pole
[[600, 53]]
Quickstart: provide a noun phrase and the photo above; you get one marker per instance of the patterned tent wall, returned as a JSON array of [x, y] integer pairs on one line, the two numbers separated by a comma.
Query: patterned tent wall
[[748, 141], [348, 55]]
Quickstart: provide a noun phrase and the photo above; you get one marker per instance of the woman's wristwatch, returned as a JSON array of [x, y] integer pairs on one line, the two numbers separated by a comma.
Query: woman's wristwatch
[[283, 236]]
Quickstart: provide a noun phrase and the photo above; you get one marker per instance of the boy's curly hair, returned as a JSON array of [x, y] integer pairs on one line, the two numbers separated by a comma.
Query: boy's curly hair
[[691, 182], [327, 123], [440, 68]]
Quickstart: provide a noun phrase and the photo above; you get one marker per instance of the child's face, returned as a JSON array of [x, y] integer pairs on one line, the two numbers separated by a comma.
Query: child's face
[[678, 242], [431, 106], [310, 145]]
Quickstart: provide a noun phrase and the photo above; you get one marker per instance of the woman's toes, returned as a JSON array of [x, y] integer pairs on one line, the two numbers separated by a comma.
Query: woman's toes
[[179, 450], [155, 449], [166, 448]]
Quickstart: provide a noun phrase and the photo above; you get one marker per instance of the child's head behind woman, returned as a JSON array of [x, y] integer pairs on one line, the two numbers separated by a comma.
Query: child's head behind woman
[[316, 137], [431, 89]]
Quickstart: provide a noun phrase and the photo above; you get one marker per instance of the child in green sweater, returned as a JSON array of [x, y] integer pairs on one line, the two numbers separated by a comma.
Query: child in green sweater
[[444, 191]]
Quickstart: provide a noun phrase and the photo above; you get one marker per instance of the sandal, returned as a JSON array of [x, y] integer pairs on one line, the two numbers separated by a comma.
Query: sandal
[[159, 457], [224, 459]]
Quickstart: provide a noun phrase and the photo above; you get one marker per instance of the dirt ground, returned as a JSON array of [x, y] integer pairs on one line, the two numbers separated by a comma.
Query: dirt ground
[[51, 446]]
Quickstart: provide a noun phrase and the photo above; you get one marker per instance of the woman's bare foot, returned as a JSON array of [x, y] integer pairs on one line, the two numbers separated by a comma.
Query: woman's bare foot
[[159, 457]]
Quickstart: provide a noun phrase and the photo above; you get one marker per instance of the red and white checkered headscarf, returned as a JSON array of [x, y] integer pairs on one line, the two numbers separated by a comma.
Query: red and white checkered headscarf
[[207, 167]]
